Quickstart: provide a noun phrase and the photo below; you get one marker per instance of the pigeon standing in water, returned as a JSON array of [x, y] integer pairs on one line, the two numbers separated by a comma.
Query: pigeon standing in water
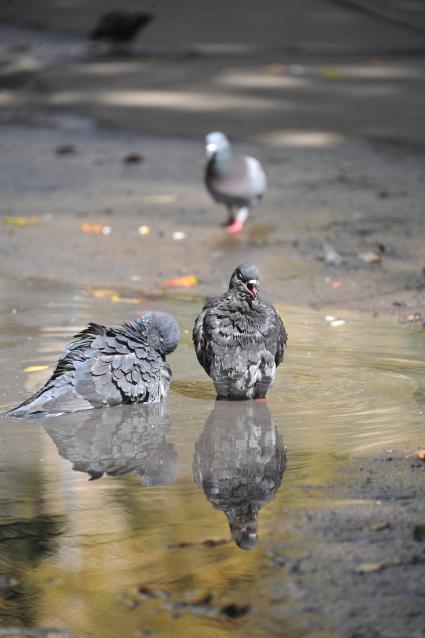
[[240, 339], [120, 27], [108, 366], [233, 179]]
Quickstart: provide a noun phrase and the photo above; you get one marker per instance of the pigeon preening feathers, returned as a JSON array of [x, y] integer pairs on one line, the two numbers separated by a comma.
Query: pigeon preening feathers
[[120, 27], [235, 180], [109, 366], [239, 462], [240, 339]]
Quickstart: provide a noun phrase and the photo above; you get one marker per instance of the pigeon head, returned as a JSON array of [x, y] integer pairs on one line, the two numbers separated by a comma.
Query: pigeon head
[[163, 331], [216, 142], [245, 280], [245, 536]]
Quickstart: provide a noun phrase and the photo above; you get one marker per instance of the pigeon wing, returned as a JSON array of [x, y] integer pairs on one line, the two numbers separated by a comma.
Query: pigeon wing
[[202, 339], [276, 336], [129, 366]]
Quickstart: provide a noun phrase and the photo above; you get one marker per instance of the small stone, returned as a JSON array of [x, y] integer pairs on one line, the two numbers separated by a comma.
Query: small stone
[[133, 158], [66, 149]]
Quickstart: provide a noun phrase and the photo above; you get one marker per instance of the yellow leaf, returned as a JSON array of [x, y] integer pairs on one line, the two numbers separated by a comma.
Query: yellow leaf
[[421, 455], [118, 299], [35, 368], [21, 221], [331, 74]]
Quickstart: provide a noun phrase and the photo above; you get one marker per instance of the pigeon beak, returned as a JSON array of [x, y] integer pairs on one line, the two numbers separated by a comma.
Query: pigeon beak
[[252, 286]]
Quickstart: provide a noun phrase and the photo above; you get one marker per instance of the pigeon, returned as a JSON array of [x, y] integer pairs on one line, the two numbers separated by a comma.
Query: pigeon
[[128, 440], [239, 462], [235, 180], [108, 366], [240, 339], [120, 27]]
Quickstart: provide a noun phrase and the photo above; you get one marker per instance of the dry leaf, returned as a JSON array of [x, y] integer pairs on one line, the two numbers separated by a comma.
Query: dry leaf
[[331, 74], [370, 257], [96, 229], [275, 69], [35, 368], [159, 199], [118, 299], [21, 221], [378, 527], [421, 455], [366, 568], [188, 281]]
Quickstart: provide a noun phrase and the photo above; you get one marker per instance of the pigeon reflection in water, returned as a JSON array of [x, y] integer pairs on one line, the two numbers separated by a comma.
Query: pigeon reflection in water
[[128, 440], [239, 462]]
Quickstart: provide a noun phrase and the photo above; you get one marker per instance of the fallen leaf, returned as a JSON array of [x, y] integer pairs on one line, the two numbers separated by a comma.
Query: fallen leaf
[[421, 455], [370, 257], [21, 221], [102, 293], [366, 568], [331, 74], [275, 69], [119, 299], [378, 527], [96, 229], [159, 199], [35, 368], [416, 317], [188, 281]]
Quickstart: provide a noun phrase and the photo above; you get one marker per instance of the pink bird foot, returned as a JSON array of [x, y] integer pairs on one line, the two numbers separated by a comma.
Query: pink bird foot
[[235, 227]]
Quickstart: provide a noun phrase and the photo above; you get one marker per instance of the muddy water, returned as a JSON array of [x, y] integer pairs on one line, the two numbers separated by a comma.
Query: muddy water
[[118, 522]]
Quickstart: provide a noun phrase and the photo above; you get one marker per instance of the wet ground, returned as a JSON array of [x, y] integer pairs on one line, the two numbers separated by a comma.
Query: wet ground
[[332, 103], [125, 514]]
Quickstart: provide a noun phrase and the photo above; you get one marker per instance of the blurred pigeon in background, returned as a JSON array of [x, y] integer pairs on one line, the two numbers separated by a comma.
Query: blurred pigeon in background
[[120, 27], [239, 338], [108, 366], [239, 463], [235, 180], [130, 440]]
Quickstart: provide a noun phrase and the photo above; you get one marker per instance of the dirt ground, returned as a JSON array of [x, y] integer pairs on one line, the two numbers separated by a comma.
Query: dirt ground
[[331, 101]]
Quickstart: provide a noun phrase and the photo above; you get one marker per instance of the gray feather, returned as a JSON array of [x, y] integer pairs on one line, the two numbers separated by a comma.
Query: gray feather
[[240, 339], [107, 366]]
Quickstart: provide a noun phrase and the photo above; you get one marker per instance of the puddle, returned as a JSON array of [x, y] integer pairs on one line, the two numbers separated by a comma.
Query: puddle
[[127, 521]]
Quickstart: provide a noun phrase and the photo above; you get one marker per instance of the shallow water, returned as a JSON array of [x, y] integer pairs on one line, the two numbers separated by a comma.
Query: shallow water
[[140, 548]]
